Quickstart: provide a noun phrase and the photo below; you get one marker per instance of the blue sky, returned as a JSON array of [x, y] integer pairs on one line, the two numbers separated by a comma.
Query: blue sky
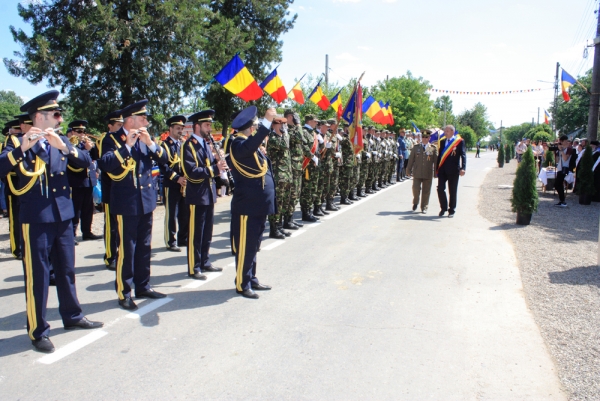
[[464, 45]]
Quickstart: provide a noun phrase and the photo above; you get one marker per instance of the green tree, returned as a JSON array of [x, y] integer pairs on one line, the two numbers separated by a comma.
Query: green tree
[[543, 136], [468, 135], [516, 132], [10, 104], [524, 198], [477, 119], [260, 24], [573, 115], [500, 156], [409, 99], [443, 107], [507, 153], [548, 159]]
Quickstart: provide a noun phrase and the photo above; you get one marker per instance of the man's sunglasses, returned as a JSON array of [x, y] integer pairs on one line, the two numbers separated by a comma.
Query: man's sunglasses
[[57, 114], [78, 131]]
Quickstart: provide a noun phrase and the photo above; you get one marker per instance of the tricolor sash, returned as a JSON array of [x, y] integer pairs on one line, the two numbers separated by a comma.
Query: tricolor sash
[[313, 150], [450, 149]]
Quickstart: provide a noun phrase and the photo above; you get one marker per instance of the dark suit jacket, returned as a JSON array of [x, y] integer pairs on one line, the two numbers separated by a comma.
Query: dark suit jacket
[[132, 192], [454, 162], [199, 168], [252, 196], [171, 171], [49, 198], [83, 177]]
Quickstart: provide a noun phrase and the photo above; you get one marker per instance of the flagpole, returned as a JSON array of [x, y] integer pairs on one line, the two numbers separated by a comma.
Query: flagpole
[[296, 84]]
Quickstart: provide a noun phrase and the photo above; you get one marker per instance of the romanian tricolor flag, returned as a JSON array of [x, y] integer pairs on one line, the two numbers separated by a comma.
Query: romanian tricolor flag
[[296, 93], [566, 81], [336, 104], [318, 97], [385, 120], [352, 114], [372, 109], [390, 115], [274, 87], [546, 117], [236, 78]]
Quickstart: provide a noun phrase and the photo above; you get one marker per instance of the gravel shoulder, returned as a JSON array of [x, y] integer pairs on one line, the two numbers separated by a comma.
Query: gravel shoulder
[[557, 257]]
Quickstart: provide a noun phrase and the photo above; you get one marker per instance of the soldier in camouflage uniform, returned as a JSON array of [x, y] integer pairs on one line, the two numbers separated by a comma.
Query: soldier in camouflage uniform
[[355, 177], [370, 147], [278, 150], [296, 136], [394, 162], [365, 158], [346, 169], [376, 158], [310, 175], [385, 159], [335, 153], [321, 131]]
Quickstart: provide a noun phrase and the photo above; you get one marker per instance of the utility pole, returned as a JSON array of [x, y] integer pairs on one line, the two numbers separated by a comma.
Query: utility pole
[[595, 96], [327, 70], [555, 100], [538, 116]]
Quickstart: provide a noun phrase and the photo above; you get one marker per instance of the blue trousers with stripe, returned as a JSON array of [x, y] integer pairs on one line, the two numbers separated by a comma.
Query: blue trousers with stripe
[[111, 235], [200, 236], [41, 243], [246, 236], [176, 218], [133, 260]]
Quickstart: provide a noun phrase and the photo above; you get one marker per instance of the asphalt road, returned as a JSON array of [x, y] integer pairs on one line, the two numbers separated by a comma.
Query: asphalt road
[[374, 302]]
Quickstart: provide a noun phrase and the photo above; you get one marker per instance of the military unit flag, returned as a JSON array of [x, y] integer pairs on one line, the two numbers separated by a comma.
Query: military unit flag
[[352, 114], [336, 104], [274, 87], [566, 81], [318, 97], [236, 78]]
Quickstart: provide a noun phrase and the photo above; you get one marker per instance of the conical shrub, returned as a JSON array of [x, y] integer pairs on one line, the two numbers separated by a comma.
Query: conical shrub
[[524, 195]]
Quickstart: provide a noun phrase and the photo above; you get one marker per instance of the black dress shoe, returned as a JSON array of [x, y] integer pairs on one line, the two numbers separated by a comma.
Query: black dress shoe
[[248, 294], [85, 324], [415, 207], [174, 248], [150, 293], [451, 214], [261, 287], [19, 256], [112, 265], [198, 276], [76, 242], [425, 210], [91, 236], [211, 268], [128, 304], [43, 345], [52, 282], [442, 212]]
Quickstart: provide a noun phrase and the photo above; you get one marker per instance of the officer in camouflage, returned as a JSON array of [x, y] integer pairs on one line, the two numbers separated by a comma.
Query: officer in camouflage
[[365, 156], [325, 168], [310, 174], [278, 150], [346, 169], [334, 152], [295, 134]]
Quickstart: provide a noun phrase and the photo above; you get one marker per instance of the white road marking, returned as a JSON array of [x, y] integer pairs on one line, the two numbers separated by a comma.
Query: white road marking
[[72, 347], [148, 308], [273, 245], [210, 277]]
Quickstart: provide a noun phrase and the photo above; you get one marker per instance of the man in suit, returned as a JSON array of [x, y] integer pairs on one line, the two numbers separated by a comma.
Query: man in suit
[[40, 162], [451, 165], [421, 165], [114, 122], [83, 181], [127, 158], [254, 196], [176, 210], [199, 168]]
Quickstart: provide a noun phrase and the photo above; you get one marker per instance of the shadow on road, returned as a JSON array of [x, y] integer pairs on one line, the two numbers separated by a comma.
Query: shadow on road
[[584, 275]]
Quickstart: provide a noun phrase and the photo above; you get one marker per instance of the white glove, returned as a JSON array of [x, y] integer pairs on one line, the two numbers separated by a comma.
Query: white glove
[[358, 156], [320, 138], [339, 137], [369, 155], [338, 155], [316, 160], [371, 141], [374, 153], [328, 145]]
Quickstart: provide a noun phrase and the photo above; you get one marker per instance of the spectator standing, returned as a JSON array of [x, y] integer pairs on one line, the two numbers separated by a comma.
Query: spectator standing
[[566, 160]]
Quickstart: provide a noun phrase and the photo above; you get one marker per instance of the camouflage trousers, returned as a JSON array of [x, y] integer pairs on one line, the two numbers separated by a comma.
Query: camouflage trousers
[[376, 167], [283, 197], [382, 172], [295, 190], [364, 173], [310, 180], [320, 184], [355, 175], [345, 180], [333, 183], [370, 175]]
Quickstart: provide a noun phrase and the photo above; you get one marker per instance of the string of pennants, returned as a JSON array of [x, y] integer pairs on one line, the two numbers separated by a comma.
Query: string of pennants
[[484, 92]]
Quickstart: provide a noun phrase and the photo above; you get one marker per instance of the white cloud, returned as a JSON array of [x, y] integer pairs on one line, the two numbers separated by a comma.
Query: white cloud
[[365, 48], [346, 57]]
